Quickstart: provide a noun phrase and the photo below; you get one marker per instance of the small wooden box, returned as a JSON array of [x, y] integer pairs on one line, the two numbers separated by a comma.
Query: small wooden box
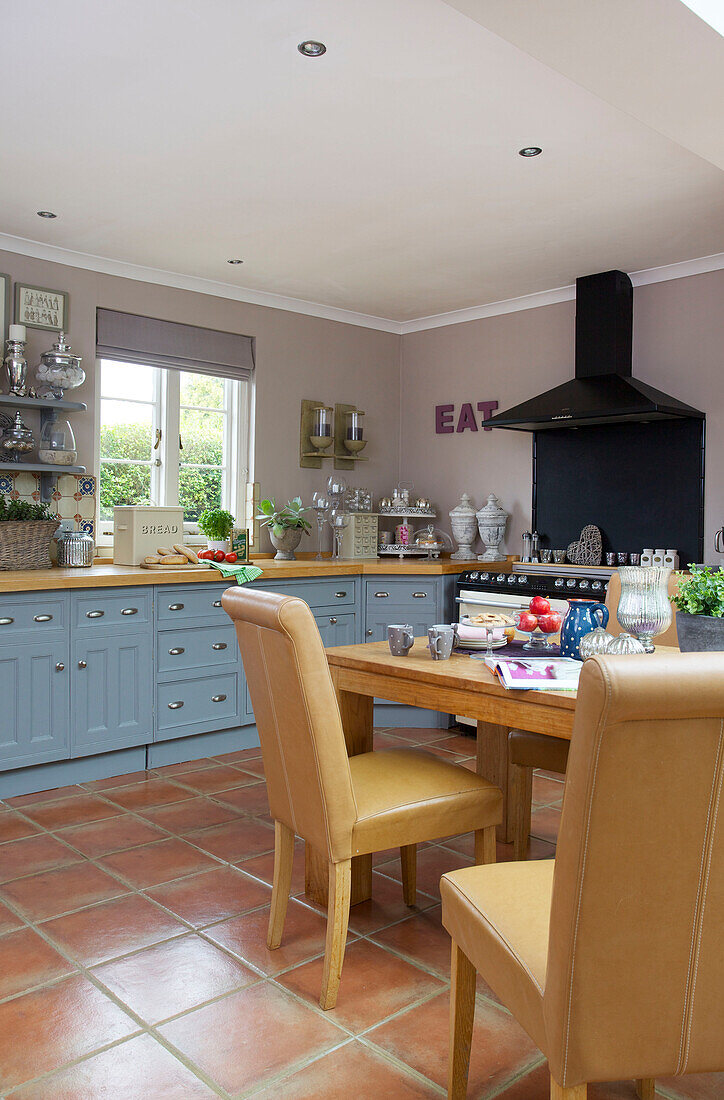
[[138, 530]]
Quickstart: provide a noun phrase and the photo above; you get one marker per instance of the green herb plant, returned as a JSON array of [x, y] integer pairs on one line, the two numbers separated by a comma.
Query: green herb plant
[[702, 593], [279, 519], [14, 511], [216, 524]]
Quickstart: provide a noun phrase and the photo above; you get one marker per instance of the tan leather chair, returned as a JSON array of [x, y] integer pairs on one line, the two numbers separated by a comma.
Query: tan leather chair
[[343, 806], [610, 956], [535, 750]]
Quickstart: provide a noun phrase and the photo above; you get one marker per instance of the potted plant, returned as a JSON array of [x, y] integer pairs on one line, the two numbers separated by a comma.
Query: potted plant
[[217, 525], [25, 533], [700, 610], [286, 526]]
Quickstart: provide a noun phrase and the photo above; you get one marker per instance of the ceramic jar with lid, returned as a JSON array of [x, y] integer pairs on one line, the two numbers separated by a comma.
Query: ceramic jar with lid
[[492, 519], [464, 528], [59, 370]]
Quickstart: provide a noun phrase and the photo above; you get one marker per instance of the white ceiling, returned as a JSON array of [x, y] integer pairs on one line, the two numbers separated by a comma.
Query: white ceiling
[[383, 177]]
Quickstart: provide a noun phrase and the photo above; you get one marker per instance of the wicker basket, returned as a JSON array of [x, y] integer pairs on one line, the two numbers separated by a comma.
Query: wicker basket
[[25, 544]]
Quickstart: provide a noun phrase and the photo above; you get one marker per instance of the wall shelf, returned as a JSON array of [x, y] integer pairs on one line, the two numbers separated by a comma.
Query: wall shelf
[[49, 473], [41, 403]]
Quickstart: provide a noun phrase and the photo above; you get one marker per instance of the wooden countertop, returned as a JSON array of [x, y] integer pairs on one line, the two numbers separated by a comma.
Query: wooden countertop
[[107, 575]]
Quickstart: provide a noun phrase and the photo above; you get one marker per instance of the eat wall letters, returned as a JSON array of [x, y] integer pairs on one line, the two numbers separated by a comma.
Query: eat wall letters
[[445, 423]]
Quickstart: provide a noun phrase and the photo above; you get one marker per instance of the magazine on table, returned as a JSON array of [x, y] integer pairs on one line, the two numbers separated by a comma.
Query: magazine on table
[[536, 673]]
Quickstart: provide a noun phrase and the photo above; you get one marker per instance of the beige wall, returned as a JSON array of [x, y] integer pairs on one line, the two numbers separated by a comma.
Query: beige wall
[[678, 347], [678, 342], [297, 357]]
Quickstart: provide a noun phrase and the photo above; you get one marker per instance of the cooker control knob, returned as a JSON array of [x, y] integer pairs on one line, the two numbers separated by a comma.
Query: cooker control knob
[[596, 586], [511, 579], [500, 578], [559, 582], [473, 576], [485, 576], [570, 583], [583, 585], [522, 579]]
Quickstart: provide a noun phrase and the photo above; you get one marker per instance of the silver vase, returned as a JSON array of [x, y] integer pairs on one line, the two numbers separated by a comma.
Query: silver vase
[[644, 609]]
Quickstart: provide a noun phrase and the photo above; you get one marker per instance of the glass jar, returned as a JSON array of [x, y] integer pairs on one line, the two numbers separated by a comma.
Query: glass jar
[[625, 643], [644, 609], [321, 435], [354, 439], [57, 442], [59, 370], [597, 641]]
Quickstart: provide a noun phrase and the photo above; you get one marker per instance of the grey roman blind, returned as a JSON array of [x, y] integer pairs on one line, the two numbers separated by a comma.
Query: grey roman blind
[[128, 338]]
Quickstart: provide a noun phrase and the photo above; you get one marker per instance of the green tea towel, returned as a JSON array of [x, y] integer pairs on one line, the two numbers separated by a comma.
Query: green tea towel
[[240, 573]]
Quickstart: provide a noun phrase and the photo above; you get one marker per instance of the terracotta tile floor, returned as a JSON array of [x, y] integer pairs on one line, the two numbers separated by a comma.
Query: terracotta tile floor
[[134, 966]]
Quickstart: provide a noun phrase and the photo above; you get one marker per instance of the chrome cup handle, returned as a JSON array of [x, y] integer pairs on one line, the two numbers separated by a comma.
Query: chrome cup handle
[[719, 541]]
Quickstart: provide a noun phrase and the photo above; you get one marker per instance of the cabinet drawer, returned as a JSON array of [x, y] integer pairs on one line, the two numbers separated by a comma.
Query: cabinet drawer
[[177, 602], [112, 609], [207, 701], [40, 615], [197, 647], [336, 592], [417, 592]]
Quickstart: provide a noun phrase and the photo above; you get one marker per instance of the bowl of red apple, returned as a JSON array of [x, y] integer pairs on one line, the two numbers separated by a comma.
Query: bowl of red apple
[[538, 623]]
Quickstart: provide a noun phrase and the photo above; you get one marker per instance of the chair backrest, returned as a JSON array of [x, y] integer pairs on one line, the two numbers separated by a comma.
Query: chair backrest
[[636, 943], [613, 594], [297, 716]]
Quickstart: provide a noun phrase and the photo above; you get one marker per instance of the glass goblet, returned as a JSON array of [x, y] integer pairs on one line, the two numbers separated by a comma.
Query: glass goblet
[[339, 520], [320, 506]]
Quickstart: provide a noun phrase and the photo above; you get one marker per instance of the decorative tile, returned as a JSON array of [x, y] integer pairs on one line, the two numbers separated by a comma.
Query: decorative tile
[[15, 495], [76, 496], [25, 483], [6, 484], [67, 485], [88, 526], [86, 485]]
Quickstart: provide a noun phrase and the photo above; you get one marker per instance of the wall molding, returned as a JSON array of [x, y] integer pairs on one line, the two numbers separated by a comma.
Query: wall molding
[[86, 261], [89, 262]]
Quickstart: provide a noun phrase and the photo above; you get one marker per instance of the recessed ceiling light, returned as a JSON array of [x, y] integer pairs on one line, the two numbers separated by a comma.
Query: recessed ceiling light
[[234, 261], [530, 151], [46, 214], [310, 48]]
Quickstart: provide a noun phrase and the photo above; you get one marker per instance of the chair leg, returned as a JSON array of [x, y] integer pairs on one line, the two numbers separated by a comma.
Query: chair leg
[[340, 878], [485, 845], [575, 1092], [283, 860], [462, 1013], [646, 1088], [408, 861], [521, 796]]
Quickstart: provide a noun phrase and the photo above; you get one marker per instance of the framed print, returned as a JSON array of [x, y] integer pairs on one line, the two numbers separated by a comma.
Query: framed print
[[4, 310], [37, 307]]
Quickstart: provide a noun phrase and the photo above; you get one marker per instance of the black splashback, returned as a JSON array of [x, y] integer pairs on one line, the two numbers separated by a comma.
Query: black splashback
[[642, 484]]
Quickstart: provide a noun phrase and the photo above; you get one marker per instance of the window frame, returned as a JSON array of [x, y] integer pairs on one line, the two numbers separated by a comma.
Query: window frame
[[166, 415]]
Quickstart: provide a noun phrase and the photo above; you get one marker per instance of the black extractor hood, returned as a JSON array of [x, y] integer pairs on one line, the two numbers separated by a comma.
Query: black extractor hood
[[603, 390]]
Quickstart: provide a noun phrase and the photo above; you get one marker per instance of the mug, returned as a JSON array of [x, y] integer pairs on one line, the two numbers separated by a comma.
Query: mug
[[441, 639], [400, 639]]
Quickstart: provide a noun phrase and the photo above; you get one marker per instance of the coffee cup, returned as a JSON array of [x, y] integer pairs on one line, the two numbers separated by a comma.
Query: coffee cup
[[441, 639], [400, 639]]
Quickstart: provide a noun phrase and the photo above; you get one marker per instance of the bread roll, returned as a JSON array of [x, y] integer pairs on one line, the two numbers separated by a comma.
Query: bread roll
[[187, 553], [173, 559], [163, 551], [151, 559]]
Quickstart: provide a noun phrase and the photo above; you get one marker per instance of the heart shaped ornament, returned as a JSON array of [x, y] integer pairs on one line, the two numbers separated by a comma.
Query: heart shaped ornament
[[588, 549]]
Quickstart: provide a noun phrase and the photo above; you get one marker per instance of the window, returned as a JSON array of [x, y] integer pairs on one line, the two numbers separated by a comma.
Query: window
[[171, 437]]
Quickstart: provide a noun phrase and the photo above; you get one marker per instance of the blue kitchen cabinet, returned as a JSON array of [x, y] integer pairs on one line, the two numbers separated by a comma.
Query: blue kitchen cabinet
[[35, 699], [112, 691], [336, 629]]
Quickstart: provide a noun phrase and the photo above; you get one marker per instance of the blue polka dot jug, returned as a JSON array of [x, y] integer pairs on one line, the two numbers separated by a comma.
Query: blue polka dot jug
[[581, 618]]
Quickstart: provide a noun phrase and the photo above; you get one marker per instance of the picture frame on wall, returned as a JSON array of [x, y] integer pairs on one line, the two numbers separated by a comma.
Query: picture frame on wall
[[39, 307], [4, 308]]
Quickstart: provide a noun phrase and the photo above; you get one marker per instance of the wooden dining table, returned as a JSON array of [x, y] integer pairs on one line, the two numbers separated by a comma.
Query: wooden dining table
[[461, 685]]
